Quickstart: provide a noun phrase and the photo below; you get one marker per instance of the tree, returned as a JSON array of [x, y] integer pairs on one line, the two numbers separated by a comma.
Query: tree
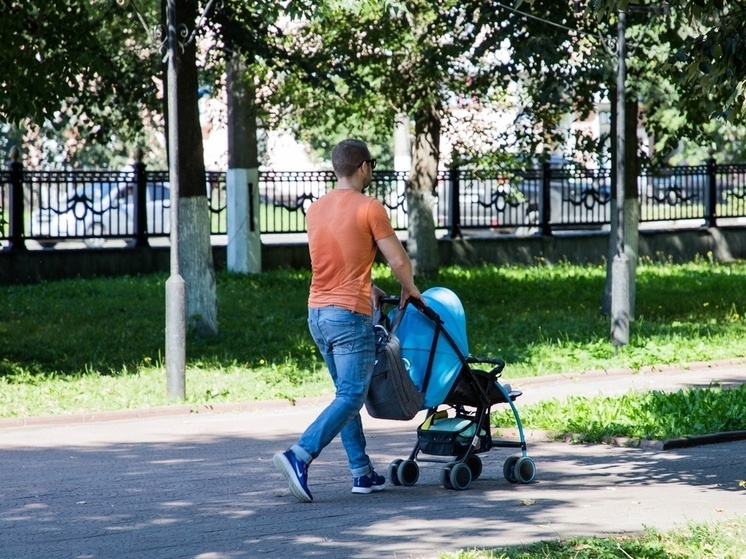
[[195, 262], [679, 107], [79, 72], [350, 64], [85, 69], [714, 59], [693, 71]]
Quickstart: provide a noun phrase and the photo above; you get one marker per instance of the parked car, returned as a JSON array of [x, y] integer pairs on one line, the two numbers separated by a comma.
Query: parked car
[[577, 196], [674, 186], [293, 190], [95, 211], [52, 203]]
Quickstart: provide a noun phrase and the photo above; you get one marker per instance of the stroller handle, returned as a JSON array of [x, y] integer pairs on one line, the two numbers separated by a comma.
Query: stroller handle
[[388, 300], [419, 305]]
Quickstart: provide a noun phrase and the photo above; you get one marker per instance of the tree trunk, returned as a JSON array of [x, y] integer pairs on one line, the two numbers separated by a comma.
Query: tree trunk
[[197, 267], [195, 256], [631, 206], [422, 244], [244, 252]]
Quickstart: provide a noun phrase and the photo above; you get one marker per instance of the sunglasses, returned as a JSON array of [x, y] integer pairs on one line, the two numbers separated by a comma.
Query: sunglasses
[[371, 162]]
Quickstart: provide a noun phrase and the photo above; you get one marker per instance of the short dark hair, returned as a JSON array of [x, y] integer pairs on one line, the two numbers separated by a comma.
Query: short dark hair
[[347, 156]]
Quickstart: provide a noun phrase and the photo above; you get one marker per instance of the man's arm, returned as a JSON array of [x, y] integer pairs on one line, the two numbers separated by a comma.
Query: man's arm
[[397, 258]]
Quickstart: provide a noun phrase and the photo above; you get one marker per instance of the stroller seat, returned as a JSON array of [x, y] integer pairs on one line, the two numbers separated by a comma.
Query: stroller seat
[[463, 393]]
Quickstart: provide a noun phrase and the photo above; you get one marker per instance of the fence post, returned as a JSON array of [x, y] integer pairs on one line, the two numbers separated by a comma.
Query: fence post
[[141, 215], [17, 225], [712, 199], [454, 201], [546, 200]]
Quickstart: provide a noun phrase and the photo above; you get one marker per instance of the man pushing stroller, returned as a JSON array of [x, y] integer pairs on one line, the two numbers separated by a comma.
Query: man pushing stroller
[[345, 230]]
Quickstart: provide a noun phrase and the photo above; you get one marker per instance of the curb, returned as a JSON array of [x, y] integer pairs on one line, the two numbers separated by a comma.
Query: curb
[[714, 438], [267, 405], [160, 411], [644, 444], [648, 369]]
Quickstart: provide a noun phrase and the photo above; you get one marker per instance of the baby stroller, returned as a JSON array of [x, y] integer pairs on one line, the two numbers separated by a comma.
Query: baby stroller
[[457, 397]]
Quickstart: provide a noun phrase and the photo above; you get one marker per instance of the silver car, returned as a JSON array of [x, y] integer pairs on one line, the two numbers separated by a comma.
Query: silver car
[[95, 211]]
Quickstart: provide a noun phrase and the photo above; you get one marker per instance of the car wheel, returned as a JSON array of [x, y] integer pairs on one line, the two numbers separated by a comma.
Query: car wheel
[[94, 235]]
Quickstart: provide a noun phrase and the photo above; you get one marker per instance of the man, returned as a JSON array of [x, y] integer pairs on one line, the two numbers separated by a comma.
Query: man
[[345, 229]]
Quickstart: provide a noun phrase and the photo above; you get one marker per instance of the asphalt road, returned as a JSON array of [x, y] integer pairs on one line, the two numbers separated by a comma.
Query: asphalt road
[[169, 484]]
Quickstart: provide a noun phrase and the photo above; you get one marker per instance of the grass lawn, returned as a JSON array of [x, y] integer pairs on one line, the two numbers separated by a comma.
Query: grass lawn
[[91, 345]]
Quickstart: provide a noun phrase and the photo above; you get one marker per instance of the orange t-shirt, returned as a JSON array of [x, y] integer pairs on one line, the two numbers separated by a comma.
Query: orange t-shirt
[[343, 227]]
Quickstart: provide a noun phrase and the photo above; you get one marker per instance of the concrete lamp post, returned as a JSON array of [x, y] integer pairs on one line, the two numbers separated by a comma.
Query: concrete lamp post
[[175, 285]]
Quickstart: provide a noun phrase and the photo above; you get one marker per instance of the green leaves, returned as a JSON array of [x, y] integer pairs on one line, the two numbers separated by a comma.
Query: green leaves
[[349, 68], [81, 71]]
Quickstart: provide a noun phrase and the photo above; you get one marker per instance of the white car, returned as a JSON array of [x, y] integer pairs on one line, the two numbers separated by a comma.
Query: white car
[[96, 211]]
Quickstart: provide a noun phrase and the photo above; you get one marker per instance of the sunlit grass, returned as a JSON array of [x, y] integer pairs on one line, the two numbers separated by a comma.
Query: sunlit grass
[[724, 540], [78, 345], [647, 415]]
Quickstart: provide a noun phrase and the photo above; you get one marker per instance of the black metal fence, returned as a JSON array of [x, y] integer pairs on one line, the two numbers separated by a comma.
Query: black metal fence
[[547, 198], [92, 206]]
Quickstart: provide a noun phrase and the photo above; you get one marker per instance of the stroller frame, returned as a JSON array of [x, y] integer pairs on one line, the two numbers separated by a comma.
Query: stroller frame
[[471, 398]]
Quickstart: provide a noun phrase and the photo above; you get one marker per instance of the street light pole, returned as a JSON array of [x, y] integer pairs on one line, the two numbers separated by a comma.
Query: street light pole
[[175, 285], [620, 304]]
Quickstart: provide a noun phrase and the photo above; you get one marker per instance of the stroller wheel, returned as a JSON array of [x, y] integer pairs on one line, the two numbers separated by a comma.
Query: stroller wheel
[[508, 469], [475, 465], [460, 476], [524, 470], [408, 472], [445, 475], [392, 475]]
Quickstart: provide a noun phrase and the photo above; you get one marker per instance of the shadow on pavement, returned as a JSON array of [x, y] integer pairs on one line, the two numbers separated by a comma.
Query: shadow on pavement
[[203, 496]]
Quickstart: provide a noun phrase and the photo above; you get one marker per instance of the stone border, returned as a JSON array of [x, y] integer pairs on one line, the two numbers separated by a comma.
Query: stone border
[[646, 444], [263, 405]]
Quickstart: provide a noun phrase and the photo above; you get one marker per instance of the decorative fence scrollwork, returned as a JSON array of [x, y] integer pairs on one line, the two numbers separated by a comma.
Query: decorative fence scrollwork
[[53, 206]]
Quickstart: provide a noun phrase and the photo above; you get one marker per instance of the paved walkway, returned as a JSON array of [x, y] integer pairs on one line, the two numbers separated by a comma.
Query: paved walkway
[[202, 486]]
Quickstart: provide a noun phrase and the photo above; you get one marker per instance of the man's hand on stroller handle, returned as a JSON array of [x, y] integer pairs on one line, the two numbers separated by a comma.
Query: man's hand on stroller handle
[[419, 304], [411, 295]]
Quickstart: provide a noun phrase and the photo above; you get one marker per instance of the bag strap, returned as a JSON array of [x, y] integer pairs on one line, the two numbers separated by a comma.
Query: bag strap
[[379, 318], [397, 318]]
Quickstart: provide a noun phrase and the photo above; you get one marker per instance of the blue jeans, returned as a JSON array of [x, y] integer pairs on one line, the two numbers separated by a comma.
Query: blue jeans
[[347, 344]]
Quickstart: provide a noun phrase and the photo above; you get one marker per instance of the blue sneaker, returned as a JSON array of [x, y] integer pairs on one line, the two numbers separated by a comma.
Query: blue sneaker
[[295, 472], [367, 484]]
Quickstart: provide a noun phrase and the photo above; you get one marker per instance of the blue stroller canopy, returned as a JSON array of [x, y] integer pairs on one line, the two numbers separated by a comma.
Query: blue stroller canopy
[[416, 333], [433, 346]]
